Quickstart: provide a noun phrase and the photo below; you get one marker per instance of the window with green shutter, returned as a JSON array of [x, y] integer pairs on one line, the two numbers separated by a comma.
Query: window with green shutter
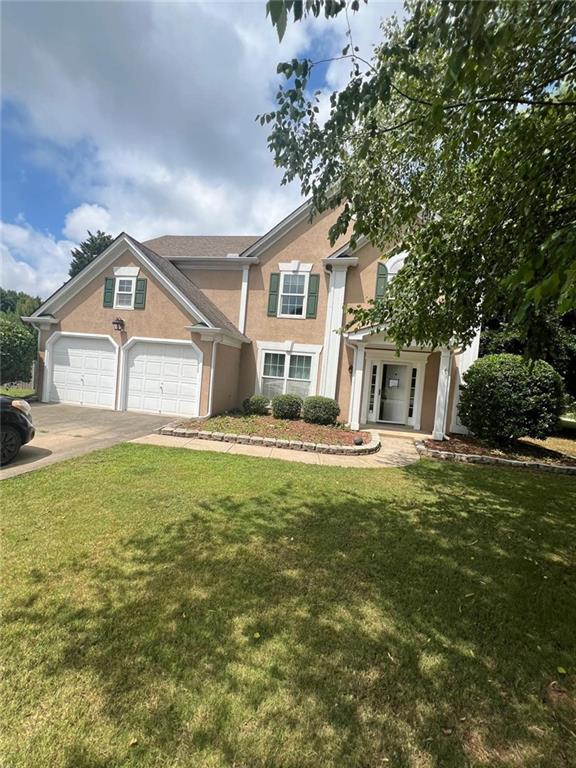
[[312, 301], [108, 301], [381, 280], [273, 294], [140, 293]]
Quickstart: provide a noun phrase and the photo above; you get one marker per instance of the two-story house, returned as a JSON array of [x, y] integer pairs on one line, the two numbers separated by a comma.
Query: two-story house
[[191, 325]]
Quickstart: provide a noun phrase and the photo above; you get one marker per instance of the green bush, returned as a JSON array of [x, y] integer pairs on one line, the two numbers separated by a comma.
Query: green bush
[[257, 405], [320, 410], [286, 406], [506, 398], [17, 350]]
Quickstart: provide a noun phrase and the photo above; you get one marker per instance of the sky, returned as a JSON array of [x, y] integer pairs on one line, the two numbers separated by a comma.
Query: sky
[[140, 117]]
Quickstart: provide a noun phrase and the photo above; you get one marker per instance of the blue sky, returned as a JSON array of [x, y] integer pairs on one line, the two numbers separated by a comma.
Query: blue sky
[[139, 116]]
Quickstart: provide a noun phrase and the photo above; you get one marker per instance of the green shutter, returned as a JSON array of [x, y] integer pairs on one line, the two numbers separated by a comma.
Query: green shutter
[[381, 280], [108, 292], [140, 293], [273, 294], [312, 303]]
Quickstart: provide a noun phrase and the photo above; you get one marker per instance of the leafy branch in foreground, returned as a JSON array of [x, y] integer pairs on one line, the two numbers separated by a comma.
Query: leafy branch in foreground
[[455, 142]]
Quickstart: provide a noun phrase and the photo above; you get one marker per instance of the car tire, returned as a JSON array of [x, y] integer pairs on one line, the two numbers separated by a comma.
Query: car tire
[[11, 441]]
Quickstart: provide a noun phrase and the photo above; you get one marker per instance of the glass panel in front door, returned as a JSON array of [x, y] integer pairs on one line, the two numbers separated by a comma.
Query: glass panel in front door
[[393, 394]]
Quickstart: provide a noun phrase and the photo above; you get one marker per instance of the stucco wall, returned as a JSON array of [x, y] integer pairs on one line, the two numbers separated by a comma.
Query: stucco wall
[[429, 392], [225, 395], [220, 286]]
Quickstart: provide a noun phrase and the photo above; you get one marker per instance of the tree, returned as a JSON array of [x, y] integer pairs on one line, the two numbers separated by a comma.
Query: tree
[[455, 143], [500, 335], [88, 250], [18, 303], [17, 350]]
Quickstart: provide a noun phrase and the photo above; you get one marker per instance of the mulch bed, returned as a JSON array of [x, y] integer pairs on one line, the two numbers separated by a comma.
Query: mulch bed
[[267, 426], [521, 451]]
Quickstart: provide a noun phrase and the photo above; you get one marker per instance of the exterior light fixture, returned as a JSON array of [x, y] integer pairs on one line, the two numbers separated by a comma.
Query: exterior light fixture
[[118, 324]]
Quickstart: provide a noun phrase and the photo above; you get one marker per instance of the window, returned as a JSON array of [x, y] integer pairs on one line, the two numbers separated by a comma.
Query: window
[[285, 373], [412, 392], [292, 294], [124, 293]]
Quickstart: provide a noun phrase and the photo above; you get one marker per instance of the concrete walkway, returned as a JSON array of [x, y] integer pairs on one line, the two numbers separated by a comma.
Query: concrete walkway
[[395, 452]]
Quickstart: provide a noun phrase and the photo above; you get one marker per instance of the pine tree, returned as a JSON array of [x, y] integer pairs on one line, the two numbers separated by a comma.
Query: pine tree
[[88, 250]]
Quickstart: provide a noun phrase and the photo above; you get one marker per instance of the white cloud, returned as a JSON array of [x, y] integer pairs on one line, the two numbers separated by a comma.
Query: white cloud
[[33, 262], [150, 108], [85, 218]]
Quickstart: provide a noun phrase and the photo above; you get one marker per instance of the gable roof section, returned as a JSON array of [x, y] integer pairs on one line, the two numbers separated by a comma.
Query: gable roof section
[[184, 290], [301, 213], [200, 246], [207, 307]]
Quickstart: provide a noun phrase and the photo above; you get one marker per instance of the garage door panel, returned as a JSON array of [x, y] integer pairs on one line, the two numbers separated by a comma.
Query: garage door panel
[[163, 378], [83, 371]]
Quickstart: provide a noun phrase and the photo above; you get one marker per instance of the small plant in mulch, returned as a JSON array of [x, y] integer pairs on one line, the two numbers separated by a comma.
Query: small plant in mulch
[[517, 451], [286, 429]]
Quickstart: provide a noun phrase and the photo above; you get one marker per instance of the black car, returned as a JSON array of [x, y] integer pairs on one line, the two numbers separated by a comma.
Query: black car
[[15, 425]]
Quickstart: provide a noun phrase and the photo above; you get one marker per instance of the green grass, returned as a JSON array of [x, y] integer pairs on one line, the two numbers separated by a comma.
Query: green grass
[[17, 392], [169, 608]]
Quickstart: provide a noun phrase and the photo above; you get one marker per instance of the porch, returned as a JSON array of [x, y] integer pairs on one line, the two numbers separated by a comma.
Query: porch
[[399, 394]]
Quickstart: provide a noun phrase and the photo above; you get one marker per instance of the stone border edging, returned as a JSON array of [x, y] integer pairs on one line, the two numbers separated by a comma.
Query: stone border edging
[[477, 458], [272, 442]]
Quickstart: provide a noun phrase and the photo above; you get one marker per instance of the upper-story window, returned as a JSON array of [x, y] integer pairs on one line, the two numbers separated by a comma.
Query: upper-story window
[[293, 292], [124, 293]]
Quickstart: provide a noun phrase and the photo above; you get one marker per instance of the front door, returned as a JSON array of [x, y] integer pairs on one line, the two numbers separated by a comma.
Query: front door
[[388, 392]]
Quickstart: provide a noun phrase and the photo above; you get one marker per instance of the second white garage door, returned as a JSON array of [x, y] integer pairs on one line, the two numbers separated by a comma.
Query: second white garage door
[[163, 378]]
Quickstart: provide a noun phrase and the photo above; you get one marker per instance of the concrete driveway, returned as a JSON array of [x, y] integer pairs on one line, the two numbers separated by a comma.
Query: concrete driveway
[[64, 431]]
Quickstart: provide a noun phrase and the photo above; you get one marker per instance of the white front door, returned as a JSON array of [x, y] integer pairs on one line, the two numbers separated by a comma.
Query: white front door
[[163, 378], [388, 391], [82, 371]]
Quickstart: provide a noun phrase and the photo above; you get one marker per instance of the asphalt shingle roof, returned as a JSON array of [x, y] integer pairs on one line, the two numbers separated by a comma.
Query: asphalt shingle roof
[[200, 246]]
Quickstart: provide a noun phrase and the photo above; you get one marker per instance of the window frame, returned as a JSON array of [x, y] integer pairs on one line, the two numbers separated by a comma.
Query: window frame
[[287, 355], [117, 292], [293, 273], [288, 348]]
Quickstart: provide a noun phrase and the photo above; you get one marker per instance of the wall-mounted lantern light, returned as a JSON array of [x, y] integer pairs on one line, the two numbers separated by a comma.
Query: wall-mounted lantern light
[[118, 324]]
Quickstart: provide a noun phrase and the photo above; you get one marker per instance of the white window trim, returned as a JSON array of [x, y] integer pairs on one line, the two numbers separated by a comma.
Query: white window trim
[[305, 297], [133, 294], [126, 271], [288, 348]]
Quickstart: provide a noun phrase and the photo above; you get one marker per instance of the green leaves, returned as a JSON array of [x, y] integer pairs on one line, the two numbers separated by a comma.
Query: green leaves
[[455, 142]]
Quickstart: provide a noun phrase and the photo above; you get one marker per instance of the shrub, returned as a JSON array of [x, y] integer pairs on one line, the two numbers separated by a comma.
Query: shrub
[[506, 398], [286, 406], [320, 410], [257, 405], [17, 350]]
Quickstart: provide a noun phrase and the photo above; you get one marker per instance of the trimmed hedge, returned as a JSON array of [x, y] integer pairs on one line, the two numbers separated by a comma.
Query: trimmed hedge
[[257, 405], [506, 398], [320, 410], [286, 406]]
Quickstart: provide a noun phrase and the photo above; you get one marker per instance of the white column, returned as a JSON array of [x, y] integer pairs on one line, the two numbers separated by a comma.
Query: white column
[[243, 299], [332, 339], [442, 391], [356, 389]]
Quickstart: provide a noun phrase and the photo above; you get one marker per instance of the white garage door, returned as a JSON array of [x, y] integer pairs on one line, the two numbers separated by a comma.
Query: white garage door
[[83, 371], [163, 378]]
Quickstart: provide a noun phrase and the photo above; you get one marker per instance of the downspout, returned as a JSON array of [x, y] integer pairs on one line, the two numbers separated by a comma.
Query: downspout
[[212, 376]]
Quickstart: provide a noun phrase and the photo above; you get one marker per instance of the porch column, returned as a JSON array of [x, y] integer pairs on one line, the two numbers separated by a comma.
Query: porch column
[[442, 391], [332, 339], [356, 389]]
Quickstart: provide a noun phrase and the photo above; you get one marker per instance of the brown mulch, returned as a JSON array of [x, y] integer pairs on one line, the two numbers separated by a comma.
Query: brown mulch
[[521, 451], [268, 426]]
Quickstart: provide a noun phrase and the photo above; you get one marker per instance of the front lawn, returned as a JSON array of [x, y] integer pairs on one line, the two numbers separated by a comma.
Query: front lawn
[[268, 426], [167, 608]]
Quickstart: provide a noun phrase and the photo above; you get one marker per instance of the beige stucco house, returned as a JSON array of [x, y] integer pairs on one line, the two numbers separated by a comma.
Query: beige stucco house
[[190, 326]]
